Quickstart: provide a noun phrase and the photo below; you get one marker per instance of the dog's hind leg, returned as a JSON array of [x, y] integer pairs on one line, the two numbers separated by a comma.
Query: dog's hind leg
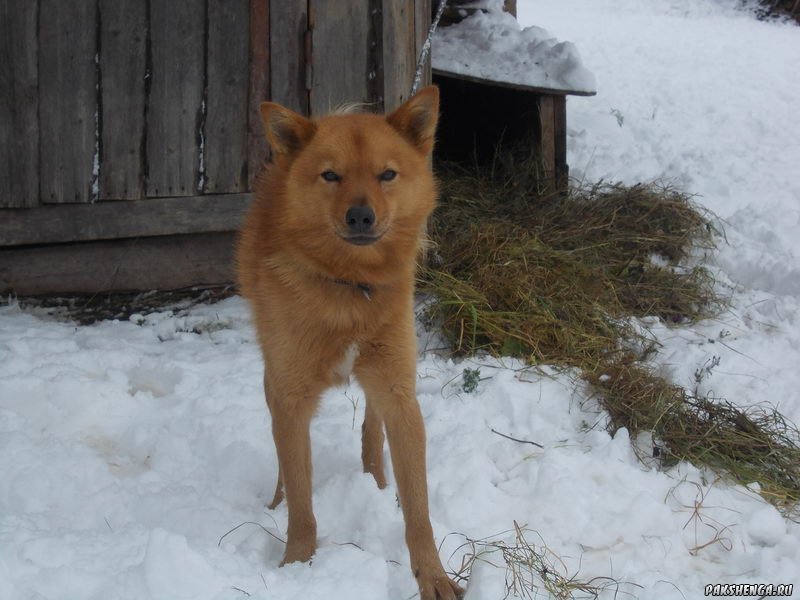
[[372, 445], [277, 498]]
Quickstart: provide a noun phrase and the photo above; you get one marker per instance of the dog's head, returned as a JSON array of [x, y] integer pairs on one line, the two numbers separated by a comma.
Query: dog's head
[[357, 189]]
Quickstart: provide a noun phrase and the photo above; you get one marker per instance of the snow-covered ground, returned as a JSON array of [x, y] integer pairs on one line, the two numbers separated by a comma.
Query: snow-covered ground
[[128, 450]]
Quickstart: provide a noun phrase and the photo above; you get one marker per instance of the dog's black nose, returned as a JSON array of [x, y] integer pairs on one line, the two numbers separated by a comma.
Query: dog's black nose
[[360, 219]]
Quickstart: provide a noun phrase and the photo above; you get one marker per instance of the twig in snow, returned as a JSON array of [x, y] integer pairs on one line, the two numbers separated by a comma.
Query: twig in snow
[[267, 531], [513, 439], [348, 544]]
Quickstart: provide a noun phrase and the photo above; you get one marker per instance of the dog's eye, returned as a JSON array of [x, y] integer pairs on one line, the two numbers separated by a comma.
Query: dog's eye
[[387, 175], [330, 176]]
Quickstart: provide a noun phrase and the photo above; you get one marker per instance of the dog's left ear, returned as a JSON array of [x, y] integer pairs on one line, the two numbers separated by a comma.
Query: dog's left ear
[[416, 119]]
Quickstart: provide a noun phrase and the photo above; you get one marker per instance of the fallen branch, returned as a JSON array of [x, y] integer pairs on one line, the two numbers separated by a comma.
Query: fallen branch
[[513, 439]]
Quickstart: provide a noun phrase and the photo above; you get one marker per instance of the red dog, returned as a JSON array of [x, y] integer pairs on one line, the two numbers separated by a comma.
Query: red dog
[[327, 259]]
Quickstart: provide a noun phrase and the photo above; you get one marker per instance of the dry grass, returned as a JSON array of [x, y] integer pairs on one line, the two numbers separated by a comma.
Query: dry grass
[[556, 279], [754, 444], [550, 278], [531, 570], [779, 8]]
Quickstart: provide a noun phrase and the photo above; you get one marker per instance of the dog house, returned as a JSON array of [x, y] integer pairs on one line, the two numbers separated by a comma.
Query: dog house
[[504, 87], [131, 136]]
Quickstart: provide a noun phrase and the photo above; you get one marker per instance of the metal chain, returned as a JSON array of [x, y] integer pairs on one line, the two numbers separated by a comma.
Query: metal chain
[[426, 47]]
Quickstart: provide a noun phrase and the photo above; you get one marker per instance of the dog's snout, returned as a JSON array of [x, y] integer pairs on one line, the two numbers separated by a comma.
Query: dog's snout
[[360, 219]]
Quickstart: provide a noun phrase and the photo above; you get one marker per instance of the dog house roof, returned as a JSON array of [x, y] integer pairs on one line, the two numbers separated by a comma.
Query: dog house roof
[[491, 45]]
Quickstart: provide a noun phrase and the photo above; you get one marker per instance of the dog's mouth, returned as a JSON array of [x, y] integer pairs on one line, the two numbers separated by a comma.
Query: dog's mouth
[[362, 239]]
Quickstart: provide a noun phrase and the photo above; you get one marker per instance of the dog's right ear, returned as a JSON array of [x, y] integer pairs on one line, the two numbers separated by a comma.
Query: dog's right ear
[[416, 119], [287, 132]]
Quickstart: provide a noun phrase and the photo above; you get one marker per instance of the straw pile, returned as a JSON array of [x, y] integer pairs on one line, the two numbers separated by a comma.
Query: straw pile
[[556, 278]]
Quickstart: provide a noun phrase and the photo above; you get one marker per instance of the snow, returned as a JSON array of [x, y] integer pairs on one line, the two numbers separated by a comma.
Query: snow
[[136, 459], [492, 45], [717, 121]]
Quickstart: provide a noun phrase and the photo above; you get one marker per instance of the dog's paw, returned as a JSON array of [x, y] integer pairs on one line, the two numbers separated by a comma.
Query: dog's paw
[[377, 474], [434, 584], [299, 551]]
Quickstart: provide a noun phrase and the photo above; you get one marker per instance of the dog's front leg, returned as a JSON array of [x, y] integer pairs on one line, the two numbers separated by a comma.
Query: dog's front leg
[[291, 420], [388, 375]]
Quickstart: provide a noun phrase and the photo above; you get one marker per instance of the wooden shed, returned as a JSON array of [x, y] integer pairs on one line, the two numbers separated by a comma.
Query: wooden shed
[[130, 131]]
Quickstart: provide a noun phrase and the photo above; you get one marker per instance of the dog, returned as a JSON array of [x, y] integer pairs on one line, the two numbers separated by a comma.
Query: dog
[[327, 259]]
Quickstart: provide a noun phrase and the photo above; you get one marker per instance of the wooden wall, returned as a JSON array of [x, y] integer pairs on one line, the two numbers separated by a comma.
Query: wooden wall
[[329, 52], [150, 108], [123, 99]]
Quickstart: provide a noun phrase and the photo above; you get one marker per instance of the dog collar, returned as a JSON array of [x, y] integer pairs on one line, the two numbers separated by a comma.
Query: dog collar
[[365, 288]]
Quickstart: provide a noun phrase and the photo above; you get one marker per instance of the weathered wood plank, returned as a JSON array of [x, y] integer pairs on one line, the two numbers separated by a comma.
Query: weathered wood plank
[[19, 104], [560, 140], [174, 109], [375, 70], [166, 263], [225, 156], [340, 51], [399, 51], [422, 22], [123, 44], [547, 139], [110, 220], [68, 100], [287, 39], [257, 147]]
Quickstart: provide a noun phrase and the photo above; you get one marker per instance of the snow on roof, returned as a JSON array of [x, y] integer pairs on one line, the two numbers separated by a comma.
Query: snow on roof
[[492, 45]]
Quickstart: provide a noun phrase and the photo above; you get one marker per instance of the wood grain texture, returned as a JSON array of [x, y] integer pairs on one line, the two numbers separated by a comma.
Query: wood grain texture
[[19, 104], [135, 218], [163, 263], [375, 71], [123, 44], [399, 51], [341, 54], [174, 111], [547, 140], [288, 25], [560, 141], [257, 147], [225, 157], [68, 99]]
